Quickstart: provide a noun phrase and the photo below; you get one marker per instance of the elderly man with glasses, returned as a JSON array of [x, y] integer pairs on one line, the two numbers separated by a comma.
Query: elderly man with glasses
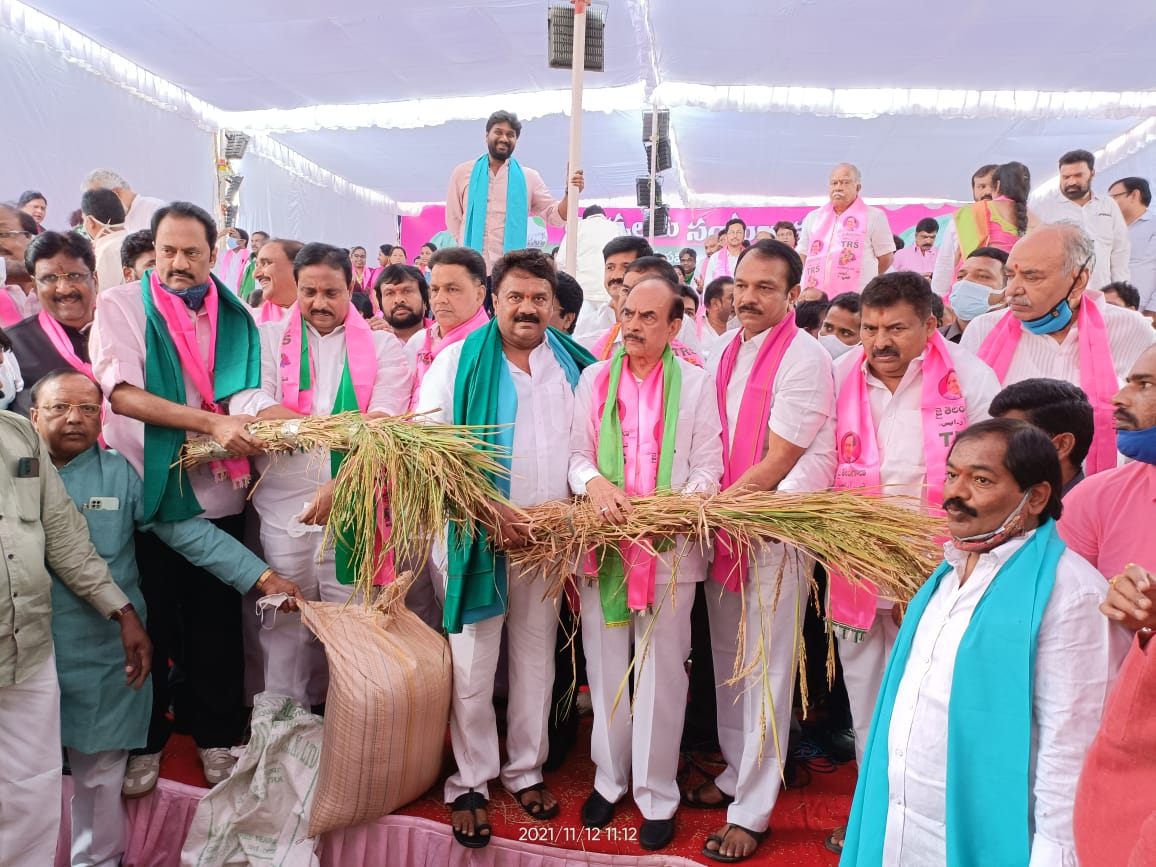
[[63, 267]]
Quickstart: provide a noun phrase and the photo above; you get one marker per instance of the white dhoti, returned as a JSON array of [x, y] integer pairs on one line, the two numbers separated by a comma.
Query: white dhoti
[[647, 743], [532, 625], [97, 809], [30, 769], [294, 660], [863, 665], [759, 707]]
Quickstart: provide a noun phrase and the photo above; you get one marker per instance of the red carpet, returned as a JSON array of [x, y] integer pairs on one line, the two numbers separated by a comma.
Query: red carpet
[[802, 819]]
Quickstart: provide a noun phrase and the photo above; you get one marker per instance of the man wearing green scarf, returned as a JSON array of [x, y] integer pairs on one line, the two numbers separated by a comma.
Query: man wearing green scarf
[[997, 681], [644, 421], [168, 353], [519, 375]]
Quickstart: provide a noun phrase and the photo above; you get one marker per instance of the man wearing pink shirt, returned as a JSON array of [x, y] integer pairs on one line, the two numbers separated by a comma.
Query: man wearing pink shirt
[[203, 341], [502, 231], [920, 256]]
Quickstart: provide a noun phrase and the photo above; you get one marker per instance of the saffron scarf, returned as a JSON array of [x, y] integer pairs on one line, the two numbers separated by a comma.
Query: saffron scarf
[[171, 351], [1097, 373], [10, 311], [484, 395], [433, 346], [56, 335], [478, 202], [838, 245], [989, 735], [851, 606], [635, 452], [358, 375], [750, 439]]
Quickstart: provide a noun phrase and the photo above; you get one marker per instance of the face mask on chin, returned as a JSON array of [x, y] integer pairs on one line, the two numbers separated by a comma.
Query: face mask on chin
[[1139, 445], [1011, 528], [1061, 315]]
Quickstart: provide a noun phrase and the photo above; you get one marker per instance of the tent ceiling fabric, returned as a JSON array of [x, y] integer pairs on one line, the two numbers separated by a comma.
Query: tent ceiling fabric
[[292, 54]]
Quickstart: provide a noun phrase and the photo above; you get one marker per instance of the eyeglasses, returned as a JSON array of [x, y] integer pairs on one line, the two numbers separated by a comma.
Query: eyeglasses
[[15, 234], [88, 410], [1125, 193], [72, 277]]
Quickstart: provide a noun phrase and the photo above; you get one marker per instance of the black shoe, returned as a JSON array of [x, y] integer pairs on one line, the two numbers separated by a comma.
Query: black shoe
[[597, 812], [841, 745], [656, 833]]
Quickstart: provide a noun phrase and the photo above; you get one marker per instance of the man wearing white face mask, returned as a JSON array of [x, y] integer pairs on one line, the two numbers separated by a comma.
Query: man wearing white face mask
[[978, 288], [104, 223]]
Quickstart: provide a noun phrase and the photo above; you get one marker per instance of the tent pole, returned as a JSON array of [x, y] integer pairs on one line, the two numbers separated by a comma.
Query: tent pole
[[653, 168], [578, 67]]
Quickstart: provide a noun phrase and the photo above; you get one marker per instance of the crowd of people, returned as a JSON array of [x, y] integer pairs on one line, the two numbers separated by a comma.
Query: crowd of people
[[1003, 377]]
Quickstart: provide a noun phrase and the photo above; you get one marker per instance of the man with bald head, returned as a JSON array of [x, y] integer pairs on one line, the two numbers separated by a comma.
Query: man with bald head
[[274, 274], [845, 243], [1056, 327], [634, 611]]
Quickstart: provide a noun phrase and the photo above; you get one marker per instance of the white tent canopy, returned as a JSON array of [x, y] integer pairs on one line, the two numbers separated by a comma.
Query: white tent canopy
[[764, 98]]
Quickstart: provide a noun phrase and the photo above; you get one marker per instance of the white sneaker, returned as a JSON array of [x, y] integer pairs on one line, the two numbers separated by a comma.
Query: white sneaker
[[141, 775], [218, 764]]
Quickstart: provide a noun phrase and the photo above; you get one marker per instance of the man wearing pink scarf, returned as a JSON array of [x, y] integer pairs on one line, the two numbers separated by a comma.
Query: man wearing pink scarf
[[643, 421], [457, 288], [274, 274], [1056, 328], [304, 359], [776, 404], [845, 243], [900, 400]]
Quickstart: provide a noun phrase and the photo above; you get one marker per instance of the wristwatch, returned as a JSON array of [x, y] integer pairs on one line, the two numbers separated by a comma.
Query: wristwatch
[[121, 612]]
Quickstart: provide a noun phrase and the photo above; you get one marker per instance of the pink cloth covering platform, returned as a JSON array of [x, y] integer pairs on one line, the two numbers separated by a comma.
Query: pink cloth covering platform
[[158, 823]]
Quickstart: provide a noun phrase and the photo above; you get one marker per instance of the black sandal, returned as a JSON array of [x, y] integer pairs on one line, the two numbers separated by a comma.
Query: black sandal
[[716, 854], [537, 809], [692, 798], [472, 801]]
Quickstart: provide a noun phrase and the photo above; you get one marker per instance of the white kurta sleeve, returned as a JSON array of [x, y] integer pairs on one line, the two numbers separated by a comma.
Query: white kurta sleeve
[[583, 437], [1121, 248], [706, 451], [394, 383], [943, 275], [252, 401], [437, 389]]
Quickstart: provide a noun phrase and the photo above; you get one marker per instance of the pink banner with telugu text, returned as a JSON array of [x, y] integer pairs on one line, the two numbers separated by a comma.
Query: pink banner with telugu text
[[689, 227]]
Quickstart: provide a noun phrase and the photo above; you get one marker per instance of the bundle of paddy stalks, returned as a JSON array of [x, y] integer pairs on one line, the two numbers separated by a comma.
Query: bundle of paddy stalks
[[879, 538], [418, 477]]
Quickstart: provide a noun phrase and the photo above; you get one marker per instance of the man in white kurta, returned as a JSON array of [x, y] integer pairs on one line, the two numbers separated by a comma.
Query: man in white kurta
[[295, 491], [992, 515], [646, 742], [897, 325], [754, 714], [538, 365]]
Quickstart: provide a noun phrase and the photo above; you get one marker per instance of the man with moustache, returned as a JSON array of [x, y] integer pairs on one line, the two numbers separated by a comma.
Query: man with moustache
[[169, 353], [457, 289], [137, 255], [517, 377], [995, 687], [685, 346], [321, 358], [489, 198], [776, 405], [1074, 202], [903, 396], [57, 337], [644, 421], [402, 295], [274, 274], [18, 297], [598, 316], [1056, 327]]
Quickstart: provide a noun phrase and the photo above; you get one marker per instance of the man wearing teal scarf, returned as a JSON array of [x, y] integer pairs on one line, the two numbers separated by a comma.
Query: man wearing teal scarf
[[999, 674], [489, 198], [515, 374], [644, 421]]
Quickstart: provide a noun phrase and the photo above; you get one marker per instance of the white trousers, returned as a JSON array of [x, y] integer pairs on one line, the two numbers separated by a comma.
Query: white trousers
[[98, 814], [532, 626], [863, 665], [294, 660], [30, 769], [758, 707], [649, 741]]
